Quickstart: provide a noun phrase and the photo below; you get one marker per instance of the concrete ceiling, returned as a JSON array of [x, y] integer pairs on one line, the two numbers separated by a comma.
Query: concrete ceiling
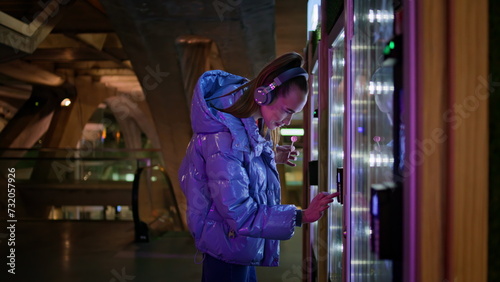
[[123, 42], [66, 33]]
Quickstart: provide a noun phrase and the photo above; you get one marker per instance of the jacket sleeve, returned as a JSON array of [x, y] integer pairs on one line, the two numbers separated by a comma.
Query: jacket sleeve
[[228, 183]]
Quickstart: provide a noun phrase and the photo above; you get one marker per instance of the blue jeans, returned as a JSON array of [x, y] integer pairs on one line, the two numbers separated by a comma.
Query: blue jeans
[[215, 270]]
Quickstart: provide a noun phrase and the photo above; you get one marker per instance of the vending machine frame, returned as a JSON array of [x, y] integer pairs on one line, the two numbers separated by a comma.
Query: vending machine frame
[[317, 262]]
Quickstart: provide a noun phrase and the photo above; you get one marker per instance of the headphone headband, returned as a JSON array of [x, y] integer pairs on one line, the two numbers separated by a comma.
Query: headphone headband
[[263, 95]]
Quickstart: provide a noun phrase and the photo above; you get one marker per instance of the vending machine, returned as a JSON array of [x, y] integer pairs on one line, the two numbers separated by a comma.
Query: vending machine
[[356, 136]]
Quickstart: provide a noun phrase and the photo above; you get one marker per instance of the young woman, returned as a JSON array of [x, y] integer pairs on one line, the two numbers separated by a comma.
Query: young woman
[[229, 172]]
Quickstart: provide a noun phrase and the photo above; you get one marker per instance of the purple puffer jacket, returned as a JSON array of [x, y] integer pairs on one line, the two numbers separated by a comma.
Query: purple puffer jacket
[[230, 180]]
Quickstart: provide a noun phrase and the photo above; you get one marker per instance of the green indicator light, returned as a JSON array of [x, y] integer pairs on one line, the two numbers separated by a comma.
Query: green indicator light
[[36, 104], [391, 44], [387, 50]]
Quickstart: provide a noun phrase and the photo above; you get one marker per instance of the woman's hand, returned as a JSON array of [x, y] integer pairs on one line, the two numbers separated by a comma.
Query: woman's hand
[[285, 154], [318, 205]]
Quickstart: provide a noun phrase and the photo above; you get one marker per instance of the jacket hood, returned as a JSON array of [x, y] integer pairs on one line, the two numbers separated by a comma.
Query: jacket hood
[[206, 118]]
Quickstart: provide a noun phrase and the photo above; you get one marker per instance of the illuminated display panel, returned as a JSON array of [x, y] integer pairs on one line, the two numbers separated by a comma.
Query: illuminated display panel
[[372, 133], [336, 154]]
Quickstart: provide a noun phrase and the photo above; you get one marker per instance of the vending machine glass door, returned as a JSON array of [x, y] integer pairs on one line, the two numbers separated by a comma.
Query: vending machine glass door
[[372, 157], [336, 157]]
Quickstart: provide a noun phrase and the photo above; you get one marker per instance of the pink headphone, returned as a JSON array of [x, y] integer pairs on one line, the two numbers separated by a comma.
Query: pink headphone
[[263, 94]]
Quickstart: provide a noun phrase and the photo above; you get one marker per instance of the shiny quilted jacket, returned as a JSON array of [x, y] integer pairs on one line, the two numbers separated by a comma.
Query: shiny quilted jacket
[[230, 180]]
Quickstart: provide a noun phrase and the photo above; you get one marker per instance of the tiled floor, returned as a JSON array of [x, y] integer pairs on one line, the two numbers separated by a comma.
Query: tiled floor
[[104, 251]]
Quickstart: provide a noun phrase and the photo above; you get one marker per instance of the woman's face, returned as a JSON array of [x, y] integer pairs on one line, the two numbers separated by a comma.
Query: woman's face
[[282, 109]]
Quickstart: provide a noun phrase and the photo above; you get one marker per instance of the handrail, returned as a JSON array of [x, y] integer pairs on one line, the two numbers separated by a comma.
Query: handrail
[[140, 227], [142, 232], [69, 176]]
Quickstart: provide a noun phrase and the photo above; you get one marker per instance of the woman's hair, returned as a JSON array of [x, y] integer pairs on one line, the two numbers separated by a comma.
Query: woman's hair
[[246, 106]]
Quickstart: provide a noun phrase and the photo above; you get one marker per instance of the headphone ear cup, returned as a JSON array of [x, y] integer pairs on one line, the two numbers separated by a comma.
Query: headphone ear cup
[[262, 96]]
